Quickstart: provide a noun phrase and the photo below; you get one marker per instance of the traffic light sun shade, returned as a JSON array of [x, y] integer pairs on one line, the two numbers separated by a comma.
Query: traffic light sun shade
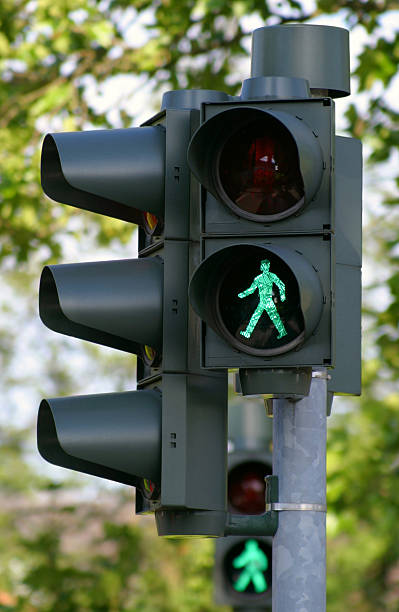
[[114, 303], [104, 434], [264, 165], [118, 173]]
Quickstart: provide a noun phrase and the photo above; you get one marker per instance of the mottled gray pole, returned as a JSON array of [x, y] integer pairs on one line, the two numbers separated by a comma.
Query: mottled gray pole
[[299, 461]]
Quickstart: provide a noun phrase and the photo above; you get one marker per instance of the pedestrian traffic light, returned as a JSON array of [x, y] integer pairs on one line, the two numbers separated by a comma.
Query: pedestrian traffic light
[[265, 282], [243, 565], [150, 437], [279, 264]]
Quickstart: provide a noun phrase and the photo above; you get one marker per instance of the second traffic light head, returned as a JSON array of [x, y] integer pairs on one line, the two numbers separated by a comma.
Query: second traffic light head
[[264, 164]]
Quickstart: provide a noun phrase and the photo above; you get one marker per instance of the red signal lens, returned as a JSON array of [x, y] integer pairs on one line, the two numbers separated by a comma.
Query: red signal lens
[[246, 488], [259, 171], [262, 154]]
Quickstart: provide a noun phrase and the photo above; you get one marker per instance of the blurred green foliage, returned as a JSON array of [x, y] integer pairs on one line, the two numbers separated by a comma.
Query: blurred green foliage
[[93, 555], [60, 548]]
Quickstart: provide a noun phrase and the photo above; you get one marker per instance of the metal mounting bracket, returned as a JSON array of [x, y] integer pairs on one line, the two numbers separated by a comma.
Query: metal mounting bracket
[[282, 506], [263, 524]]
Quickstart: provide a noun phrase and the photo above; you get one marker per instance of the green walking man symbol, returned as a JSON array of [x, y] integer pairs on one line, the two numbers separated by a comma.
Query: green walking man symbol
[[254, 562], [264, 284]]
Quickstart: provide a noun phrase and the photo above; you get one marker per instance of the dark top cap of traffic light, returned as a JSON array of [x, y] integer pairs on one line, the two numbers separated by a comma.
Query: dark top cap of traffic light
[[263, 300], [263, 164], [317, 53]]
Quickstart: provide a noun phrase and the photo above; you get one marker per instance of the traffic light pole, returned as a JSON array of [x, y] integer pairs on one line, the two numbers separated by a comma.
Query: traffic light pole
[[299, 461]]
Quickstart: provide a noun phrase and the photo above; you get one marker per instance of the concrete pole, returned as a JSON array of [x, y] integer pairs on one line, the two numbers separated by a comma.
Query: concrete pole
[[299, 461]]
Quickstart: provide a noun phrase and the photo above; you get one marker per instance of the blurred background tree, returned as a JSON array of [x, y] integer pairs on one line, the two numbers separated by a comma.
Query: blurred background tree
[[69, 544]]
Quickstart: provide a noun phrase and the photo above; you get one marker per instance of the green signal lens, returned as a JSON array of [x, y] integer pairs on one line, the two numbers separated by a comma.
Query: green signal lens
[[253, 562], [248, 567], [264, 299], [264, 284], [259, 302]]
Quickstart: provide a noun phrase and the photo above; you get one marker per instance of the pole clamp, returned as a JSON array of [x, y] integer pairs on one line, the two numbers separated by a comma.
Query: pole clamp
[[281, 506], [323, 374]]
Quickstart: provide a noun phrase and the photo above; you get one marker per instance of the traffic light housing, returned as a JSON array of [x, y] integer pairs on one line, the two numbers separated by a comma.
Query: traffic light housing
[[265, 284], [243, 564], [281, 220], [258, 202], [151, 437]]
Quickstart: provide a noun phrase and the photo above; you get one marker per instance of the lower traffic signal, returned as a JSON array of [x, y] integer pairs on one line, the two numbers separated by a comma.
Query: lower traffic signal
[[243, 564]]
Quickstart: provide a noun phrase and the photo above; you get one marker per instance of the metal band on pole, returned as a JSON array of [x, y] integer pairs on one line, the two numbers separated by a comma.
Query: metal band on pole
[[281, 506]]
